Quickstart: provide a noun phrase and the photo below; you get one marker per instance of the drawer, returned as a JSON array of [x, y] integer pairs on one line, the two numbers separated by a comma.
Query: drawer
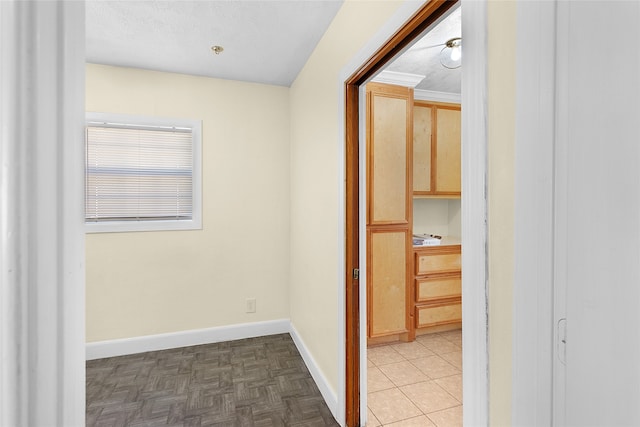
[[437, 262], [430, 288], [441, 314]]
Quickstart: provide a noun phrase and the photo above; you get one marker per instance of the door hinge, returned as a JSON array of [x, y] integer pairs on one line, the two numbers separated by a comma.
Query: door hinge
[[356, 273]]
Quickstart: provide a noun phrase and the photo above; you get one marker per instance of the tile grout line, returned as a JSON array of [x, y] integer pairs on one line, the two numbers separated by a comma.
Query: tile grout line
[[430, 379]]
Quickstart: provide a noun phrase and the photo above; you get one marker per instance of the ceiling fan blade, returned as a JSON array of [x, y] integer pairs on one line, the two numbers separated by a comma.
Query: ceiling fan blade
[[425, 47]]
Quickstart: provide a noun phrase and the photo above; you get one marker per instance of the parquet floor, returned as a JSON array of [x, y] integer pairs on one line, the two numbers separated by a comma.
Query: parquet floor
[[259, 382]]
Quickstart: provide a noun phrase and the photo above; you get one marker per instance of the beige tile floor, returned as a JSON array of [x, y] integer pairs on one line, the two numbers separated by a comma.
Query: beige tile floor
[[416, 384]]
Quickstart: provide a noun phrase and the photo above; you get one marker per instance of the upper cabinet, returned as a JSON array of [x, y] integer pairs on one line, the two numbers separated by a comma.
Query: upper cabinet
[[436, 150], [389, 150]]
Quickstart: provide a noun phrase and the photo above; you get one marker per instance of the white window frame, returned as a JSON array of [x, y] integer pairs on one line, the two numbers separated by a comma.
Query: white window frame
[[195, 223]]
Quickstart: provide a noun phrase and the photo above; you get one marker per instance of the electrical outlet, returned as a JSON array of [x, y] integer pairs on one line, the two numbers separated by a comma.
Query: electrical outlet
[[251, 305]]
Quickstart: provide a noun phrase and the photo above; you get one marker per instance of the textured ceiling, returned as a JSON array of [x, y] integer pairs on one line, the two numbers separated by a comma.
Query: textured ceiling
[[265, 41], [423, 58]]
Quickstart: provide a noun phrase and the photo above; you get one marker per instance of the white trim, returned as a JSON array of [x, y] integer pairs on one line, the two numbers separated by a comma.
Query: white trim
[[329, 395], [533, 214], [124, 346], [561, 207], [475, 361], [364, 369], [432, 95], [398, 78], [195, 126], [42, 293], [140, 226]]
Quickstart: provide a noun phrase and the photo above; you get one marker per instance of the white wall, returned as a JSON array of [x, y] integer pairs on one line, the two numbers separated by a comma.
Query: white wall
[[437, 216], [455, 217], [159, 282], [316, 242], [501, 127]]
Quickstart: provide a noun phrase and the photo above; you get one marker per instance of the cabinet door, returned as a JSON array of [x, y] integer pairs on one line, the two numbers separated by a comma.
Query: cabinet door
[[388, 293], [422, 149], [390, 144], [448, 151]]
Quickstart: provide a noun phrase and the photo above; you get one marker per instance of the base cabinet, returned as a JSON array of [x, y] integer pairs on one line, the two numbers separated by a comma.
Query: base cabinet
[[388, 294], [438, 286], [428, 315]]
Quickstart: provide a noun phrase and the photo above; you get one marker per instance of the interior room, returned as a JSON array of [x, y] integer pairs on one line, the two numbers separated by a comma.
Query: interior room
[[135, 279], [269, 177], [148, 292], [550, 158], [414, 294]]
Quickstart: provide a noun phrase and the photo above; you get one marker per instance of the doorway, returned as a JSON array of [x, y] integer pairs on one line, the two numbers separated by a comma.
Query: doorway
[[475, 384]]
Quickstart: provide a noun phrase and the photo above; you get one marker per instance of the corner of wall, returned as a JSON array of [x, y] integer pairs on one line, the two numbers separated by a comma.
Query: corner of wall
[[501, 127]]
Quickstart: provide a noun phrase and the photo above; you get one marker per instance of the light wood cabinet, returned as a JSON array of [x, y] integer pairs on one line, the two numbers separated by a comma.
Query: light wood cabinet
[[439, 259], [389, 154], [438, 286], [439, 314], [436, 150], [388, 292], [389, 210]]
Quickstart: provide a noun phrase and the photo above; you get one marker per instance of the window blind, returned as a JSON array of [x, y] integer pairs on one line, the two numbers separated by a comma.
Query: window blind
[[136, 173]]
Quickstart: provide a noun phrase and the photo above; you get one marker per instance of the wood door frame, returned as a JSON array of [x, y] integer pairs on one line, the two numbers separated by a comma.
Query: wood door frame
[[414, 27]]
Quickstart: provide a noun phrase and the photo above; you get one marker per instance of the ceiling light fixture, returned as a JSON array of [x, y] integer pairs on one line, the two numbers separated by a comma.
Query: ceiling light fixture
[[217, 49], [451, 53]]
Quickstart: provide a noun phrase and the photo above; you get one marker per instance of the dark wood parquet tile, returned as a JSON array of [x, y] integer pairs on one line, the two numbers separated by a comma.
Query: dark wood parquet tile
[[256, 382]]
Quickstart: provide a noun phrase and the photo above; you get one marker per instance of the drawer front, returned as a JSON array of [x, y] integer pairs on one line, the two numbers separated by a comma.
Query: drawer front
[[437, 263], [428, 289], [429, 315]]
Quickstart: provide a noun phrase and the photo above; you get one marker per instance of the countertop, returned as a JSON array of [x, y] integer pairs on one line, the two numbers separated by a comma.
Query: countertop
[[445, 241]]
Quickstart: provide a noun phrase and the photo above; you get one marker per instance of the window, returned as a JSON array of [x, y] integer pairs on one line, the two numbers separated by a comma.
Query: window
[[142, 173]]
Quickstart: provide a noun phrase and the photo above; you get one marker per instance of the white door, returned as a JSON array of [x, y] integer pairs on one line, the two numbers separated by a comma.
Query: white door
[[597, 252]]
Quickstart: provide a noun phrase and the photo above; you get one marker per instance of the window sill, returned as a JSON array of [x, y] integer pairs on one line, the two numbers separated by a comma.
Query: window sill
[[136, 226]]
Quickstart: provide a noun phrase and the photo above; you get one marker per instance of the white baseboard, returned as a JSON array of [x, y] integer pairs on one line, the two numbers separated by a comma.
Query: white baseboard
[[330, 396], [121, 347]]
